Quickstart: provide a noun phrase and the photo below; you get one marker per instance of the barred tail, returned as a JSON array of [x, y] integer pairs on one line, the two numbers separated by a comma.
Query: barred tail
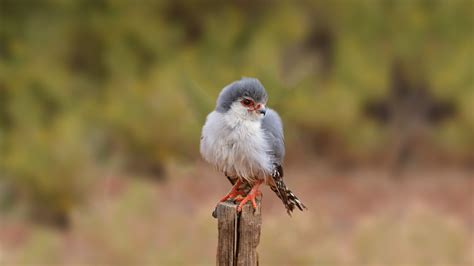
[[289, 199]]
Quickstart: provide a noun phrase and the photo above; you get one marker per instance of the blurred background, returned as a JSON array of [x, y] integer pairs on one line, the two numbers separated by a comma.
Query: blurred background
[[102, 103]]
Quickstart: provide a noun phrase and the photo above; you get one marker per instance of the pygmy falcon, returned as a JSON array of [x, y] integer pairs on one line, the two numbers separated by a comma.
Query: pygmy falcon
[[243, 139]]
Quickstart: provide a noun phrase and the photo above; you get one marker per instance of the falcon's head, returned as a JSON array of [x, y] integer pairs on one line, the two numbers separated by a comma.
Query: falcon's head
[[245, 98]]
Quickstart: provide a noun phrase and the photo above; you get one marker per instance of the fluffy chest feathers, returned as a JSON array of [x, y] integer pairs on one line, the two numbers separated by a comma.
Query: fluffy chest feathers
[[236, 146]]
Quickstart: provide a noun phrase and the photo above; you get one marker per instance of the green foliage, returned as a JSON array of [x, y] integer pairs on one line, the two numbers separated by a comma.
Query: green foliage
[[82, 82]]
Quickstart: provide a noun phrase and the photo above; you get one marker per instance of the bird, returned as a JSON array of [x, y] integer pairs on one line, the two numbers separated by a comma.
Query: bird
[[244, 139]]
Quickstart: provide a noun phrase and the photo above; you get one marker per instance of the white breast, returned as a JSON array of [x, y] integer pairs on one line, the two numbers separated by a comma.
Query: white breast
[[236, 146]]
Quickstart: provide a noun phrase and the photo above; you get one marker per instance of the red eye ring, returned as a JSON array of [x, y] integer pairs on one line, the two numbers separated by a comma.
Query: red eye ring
[[247, 102]]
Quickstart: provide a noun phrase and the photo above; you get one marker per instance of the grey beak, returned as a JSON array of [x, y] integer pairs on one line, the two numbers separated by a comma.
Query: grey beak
[[263, 111]]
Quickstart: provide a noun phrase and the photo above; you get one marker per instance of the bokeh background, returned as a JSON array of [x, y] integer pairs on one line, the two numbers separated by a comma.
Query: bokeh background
[[102, 103]]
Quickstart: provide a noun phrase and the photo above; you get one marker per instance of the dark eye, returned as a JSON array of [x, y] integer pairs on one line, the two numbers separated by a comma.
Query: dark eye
[[247, 102]]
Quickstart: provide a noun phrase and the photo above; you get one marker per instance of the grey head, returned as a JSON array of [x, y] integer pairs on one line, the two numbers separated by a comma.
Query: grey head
[[245, 88]]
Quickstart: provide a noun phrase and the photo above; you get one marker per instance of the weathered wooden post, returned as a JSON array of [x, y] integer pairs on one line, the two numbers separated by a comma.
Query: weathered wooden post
[[239, 234]]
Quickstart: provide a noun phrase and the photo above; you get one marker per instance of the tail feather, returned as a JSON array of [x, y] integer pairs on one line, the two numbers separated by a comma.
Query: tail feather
[[289, 199]]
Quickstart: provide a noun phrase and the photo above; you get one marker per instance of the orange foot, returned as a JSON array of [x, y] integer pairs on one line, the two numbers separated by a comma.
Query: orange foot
[[234, 192], [254, 192]]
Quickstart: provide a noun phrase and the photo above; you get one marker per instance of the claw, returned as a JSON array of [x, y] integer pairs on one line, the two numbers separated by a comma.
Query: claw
[[251, 196], [234, 192], [239, 198]]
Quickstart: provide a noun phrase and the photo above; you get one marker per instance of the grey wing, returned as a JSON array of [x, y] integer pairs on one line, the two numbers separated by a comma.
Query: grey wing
[[274, 132], [273, 128]]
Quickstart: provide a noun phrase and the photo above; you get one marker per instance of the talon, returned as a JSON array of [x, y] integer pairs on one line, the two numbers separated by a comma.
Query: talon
[[239, 198], [234, 192], [254, 192]]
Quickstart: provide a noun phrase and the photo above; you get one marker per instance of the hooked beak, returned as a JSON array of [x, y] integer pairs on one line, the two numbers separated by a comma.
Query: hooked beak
[[262, 110]]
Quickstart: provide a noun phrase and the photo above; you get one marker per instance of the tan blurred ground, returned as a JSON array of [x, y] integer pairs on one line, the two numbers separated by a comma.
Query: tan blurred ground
[[356, 217]]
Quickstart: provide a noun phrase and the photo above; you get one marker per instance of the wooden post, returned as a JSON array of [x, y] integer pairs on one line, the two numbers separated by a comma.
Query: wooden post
[[239, 234]]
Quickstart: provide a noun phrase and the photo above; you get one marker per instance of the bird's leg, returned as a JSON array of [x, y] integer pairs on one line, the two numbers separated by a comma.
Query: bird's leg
[[234, 192], [254, 192]]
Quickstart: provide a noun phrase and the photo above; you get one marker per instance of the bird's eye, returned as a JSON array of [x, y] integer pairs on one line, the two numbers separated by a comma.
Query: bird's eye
[[247, 102]]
